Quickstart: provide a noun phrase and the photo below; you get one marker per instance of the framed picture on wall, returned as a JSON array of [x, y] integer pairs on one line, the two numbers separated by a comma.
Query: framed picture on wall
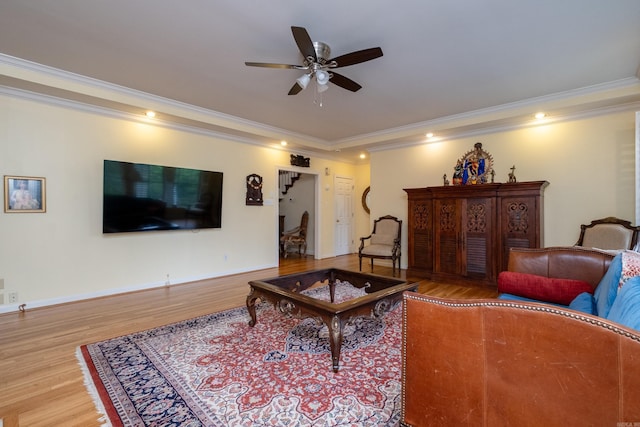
[[24, 194]]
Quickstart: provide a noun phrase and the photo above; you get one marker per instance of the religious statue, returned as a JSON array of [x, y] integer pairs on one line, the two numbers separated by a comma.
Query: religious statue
[[474, 167]]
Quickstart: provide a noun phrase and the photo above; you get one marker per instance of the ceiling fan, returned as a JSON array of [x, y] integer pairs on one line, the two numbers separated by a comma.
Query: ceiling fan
[[317, 63]]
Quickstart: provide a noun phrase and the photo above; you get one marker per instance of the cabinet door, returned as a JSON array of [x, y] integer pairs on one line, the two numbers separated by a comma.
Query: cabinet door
[[463, 237], [477, 238], [420, 236], [447, 238], [520, 224]]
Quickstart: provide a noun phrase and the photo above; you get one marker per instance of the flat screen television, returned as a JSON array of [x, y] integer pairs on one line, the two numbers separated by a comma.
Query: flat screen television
[[141, 197]]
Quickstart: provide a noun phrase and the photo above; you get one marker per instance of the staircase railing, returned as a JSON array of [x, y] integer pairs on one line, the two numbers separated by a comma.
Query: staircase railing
[[287, 179]]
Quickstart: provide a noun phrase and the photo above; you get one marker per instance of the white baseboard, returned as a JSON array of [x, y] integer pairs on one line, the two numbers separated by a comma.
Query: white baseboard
[[9, 308]]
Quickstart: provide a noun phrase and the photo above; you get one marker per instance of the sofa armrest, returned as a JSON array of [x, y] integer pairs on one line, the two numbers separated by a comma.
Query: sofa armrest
[[491, 362]]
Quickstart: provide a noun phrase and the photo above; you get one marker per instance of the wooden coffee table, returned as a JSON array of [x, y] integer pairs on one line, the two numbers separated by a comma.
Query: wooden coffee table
[[383, 293]]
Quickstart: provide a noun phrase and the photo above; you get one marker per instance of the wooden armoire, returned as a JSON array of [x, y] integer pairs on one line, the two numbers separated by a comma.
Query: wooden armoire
[[463, 233]]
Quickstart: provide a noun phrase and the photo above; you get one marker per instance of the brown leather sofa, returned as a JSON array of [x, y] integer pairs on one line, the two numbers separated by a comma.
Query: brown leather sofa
[[496, 362], [570, 262]]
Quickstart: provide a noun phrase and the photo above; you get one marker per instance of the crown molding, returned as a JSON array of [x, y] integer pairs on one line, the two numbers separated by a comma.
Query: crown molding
[[29, 80], [59, 79], [588, 101]]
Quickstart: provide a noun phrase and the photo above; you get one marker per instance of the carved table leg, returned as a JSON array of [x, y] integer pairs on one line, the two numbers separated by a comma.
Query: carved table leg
[[335, 340], [332, 290], [251, 307]]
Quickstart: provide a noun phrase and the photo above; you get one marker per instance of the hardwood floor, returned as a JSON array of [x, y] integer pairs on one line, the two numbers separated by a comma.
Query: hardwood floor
[[40, 380]]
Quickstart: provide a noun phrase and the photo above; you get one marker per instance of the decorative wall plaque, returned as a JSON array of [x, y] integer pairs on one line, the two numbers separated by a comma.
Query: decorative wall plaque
[[254, 190], [298, 160]]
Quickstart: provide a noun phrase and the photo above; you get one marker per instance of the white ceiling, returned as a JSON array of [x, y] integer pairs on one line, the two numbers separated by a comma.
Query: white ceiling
[[449, 66]]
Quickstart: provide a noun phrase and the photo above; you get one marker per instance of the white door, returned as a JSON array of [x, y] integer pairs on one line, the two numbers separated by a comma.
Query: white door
[[344, 215]]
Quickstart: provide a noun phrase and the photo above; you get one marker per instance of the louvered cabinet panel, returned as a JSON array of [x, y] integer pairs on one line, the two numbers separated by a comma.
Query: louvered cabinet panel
[[446, 233], [420, 234], [479, 224], [463, 230]]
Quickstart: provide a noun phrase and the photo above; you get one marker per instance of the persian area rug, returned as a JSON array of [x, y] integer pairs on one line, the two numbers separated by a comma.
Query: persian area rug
[[216, 370]]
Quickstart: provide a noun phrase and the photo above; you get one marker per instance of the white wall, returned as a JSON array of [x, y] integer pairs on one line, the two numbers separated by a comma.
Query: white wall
[[364, 220], [589, 163], [62, 255]]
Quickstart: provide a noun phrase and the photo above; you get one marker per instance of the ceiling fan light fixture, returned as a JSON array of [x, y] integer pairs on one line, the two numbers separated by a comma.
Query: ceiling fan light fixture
[[304, 80], [322, 77], [322, 88]]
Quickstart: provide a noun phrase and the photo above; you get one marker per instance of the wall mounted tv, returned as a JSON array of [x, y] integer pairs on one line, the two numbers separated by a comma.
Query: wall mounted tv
[[140, 197]]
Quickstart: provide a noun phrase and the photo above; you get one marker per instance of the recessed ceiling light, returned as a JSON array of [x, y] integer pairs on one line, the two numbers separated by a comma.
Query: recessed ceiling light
[[150, 114], [363, 156], [540, 116], [283, 143], [430, 135]]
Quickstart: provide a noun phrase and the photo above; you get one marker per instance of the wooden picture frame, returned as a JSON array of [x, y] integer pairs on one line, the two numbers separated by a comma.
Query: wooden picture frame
[[366, 195], [24, 194]]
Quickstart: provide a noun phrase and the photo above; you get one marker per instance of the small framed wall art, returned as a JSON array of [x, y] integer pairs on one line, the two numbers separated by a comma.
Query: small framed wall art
[[24, 194]]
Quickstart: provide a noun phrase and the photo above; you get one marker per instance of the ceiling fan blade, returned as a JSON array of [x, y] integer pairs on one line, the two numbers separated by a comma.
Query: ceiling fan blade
[[357, 57], [269, 65], [304, 43], [344, 82], [295, 89]]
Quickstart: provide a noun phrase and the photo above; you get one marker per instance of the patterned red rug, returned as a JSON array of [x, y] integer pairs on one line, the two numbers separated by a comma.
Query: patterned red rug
[[216, 370]]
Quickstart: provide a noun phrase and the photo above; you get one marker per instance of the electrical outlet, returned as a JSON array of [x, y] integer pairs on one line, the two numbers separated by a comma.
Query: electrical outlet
[[12, 297]]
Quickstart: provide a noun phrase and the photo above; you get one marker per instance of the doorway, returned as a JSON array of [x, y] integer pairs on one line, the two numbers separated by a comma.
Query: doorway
[[298, 193]]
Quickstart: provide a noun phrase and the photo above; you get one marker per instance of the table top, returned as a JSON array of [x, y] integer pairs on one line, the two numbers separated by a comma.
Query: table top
[[290, 286]]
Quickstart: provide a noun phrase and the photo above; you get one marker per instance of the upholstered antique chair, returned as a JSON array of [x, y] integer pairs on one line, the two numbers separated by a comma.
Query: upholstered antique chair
[[609, 233], [383, 242], [296, 237]]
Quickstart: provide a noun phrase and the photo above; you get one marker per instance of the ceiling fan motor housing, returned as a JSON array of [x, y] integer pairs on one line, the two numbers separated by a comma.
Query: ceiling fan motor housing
[[323, 52]]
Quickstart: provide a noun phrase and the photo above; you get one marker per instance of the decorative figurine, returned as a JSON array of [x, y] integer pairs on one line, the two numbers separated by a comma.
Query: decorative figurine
[[493, 175], [512, 174], [254, 190], [474, 167], [457, 173], [445, 180]]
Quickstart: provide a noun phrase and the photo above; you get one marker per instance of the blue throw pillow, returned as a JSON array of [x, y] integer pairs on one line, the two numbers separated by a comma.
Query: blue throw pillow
[[584, 303], [626, 308], [607, 289]]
